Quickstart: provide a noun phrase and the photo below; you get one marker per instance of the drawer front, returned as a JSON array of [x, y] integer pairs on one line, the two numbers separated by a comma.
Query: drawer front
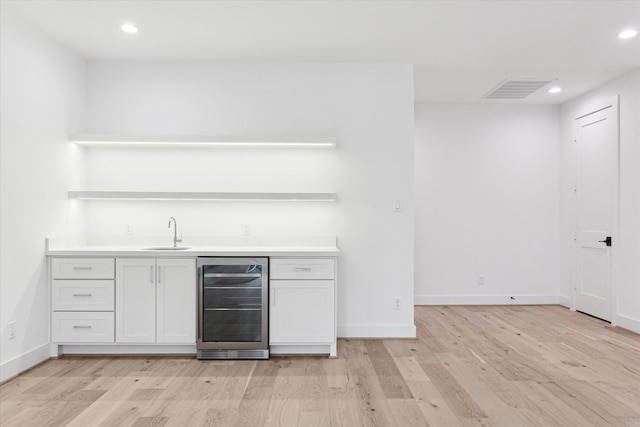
[[81, 327], [299, 268], [83, 268], [83, 295]]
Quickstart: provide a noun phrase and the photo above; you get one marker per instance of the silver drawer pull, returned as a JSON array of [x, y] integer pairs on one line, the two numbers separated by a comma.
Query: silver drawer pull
[[77, 267], [81, 326], [301, 268], [81, 295]]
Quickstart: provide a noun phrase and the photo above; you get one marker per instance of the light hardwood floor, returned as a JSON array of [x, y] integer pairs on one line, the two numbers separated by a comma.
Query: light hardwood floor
[[470, 366]]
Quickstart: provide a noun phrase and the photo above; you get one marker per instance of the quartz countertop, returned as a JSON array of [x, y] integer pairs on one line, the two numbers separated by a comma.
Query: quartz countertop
[[305, 247]]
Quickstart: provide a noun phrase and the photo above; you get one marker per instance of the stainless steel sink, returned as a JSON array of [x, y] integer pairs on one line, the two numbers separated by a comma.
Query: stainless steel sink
[[165, 248]]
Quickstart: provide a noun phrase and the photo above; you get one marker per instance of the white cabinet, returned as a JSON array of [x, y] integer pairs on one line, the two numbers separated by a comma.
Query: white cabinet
[[82, 327], [156, 300], [176, 301], [302, 268], [123, 304], [83, 295], [136, 300], [302, 310], [82, 268], [82, 300]]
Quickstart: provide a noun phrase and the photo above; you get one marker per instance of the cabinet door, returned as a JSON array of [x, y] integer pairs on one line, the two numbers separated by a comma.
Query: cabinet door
[[176, 293], [301, 311], [135, 300]]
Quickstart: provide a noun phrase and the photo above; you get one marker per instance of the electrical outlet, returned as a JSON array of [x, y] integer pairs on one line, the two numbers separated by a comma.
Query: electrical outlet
[[12, 330], [128, 230], [396, 206], [481, 279], [396, 303], [246, 230]]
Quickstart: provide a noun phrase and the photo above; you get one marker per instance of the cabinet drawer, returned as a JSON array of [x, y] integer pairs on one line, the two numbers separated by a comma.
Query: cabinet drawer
[[83, 268], [299, 268], [78, 326], [83, 295]]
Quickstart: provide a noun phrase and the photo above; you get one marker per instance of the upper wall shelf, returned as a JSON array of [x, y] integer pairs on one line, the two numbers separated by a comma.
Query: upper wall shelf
[[185, 195], [198, 141]]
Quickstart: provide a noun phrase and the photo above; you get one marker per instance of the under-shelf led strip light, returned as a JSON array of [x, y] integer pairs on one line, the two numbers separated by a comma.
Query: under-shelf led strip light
[[191, 196], [192, 142]]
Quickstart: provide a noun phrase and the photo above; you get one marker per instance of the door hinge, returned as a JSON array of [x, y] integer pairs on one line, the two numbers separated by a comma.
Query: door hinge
[[575, 236], [575, 187]]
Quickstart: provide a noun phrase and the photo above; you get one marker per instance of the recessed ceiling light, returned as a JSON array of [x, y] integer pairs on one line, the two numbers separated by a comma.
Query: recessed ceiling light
[[627, 34], [555, 89], [129, 28]]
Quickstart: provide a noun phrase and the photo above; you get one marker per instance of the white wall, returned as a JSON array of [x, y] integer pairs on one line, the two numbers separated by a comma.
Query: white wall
[[486, 190], [626, 312], [42, 88], [368, 108]]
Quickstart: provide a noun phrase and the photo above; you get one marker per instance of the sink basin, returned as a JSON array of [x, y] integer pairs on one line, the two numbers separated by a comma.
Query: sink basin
[[165, 248]]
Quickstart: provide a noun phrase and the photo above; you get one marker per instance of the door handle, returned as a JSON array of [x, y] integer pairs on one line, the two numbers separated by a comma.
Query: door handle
[[607, 241]]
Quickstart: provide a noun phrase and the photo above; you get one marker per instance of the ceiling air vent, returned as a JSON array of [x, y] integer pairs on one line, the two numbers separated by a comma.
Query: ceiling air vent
[[517, 88]]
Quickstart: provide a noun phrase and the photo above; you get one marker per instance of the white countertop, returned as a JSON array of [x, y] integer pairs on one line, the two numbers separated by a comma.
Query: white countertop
[[199, 246]]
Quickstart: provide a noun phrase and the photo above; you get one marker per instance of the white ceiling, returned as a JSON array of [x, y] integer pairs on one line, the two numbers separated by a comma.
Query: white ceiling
[[460, 49]]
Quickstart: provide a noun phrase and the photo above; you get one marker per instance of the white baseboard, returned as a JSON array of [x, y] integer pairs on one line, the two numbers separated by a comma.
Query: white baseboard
[[627, 322], [27, 360], [185, 349], [486, 299], [564, 301], [377, 331], [277, 349]]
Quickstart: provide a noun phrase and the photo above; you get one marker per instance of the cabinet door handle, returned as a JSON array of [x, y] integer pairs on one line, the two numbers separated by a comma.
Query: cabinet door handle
[[78, 267], [81, 326], [159, 274], [81, 295], [274, 297], [151, 274], [302, 269]]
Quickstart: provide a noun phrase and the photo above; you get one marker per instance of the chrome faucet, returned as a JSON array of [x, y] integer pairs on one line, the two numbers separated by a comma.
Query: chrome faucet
[[175, 232]]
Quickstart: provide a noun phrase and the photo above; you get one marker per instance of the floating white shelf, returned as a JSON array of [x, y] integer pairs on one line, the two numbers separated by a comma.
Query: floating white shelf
[[203, 196], [197, 141]]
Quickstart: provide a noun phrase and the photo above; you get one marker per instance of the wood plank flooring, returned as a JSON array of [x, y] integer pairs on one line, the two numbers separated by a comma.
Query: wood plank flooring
[[470, 366]]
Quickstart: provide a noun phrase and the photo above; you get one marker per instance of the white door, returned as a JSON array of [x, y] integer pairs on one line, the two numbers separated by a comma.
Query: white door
[[176, 304], [135, 300], [596, 190]]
